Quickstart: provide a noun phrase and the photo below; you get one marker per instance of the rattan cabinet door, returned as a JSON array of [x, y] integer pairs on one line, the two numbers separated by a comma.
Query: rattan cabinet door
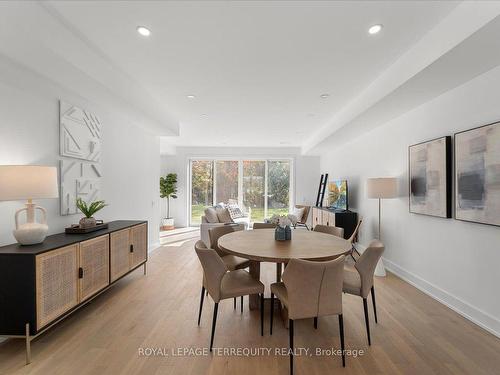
[[119, 253], [56, 283], [94, 265], [139, 240]]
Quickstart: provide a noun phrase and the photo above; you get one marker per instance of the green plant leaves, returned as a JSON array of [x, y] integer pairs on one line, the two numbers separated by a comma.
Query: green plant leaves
[[90, 210]]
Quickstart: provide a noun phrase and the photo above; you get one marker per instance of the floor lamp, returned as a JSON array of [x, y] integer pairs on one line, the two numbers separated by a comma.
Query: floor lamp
[[381, 188]]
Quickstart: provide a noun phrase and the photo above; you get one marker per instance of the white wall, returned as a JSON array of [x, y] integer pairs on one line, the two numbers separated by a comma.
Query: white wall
[[29, 134], [456, 262], [306, 172]]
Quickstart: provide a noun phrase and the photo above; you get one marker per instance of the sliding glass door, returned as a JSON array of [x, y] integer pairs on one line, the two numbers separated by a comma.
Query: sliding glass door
[[202, 188], [278, 187], [260, 187], [254, 188]]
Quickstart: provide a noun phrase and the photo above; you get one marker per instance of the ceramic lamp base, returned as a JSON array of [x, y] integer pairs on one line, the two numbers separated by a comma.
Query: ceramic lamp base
[[31, 233]]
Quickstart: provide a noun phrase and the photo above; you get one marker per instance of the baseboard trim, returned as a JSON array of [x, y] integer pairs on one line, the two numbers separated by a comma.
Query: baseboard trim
[[153, 246], [475, 315]]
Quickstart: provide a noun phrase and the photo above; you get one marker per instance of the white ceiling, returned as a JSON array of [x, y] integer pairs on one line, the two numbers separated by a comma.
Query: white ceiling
[[257, 68]]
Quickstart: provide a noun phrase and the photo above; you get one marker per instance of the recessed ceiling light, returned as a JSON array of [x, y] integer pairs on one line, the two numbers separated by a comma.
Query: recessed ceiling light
[[190, 96], [375, 29], [204, 115], [324, 96], [144, 31]]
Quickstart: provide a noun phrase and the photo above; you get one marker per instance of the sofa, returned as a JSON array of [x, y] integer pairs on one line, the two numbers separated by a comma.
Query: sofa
[[221, 215]]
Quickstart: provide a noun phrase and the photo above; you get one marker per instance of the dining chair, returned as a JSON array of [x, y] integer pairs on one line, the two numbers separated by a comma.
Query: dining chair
[[336, 231], [311, 290], [353, 238], [232, 262], [229, 262], [264, 226], [223, 284], [358, 280]]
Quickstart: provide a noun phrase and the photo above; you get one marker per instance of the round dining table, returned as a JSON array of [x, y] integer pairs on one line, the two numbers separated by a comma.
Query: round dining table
[[260, 246]]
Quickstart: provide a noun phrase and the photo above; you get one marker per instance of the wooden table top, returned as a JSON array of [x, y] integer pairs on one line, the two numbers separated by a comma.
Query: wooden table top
[[260, 245]]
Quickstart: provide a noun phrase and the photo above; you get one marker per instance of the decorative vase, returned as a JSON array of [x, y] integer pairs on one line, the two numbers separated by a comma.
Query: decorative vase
[[288, 233], [87, 222], [279, 234]]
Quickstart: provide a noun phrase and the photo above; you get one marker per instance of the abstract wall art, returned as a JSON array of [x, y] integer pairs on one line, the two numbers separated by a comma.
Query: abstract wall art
[[80, 146], [477, 175], [430, 177], [78, 180], [80, 133]]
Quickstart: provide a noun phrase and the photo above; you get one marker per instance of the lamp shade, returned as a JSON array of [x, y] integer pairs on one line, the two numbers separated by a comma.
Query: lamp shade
[[382, 188], [19, 182]]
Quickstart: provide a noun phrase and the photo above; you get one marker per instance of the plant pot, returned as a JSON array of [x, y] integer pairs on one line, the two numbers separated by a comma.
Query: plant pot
[[87, 222], [167, 223], [280, 234]]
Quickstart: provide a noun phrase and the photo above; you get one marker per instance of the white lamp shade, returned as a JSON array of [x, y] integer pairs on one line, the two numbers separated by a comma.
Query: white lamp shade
[[382, 188], [19, 182]]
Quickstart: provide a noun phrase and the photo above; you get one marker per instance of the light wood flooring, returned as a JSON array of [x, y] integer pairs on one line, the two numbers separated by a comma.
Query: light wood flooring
[[415, 334]]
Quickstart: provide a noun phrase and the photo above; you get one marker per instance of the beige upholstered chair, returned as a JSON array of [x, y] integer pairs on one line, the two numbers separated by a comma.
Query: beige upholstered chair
[[303, 220], [358, 280], [232, 262], [311, 290], [263, 225], [336, 231], [222, 284]]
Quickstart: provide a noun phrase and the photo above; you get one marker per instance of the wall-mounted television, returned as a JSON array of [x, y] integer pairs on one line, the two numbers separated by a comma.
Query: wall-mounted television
[[337, 195]]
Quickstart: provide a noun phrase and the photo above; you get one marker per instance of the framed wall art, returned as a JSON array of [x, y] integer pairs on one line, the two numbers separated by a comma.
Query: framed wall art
[[430, 177], [477, 175]]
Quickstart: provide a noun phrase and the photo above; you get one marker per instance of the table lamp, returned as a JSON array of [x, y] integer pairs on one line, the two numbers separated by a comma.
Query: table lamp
[[381, 188], [19, 182]]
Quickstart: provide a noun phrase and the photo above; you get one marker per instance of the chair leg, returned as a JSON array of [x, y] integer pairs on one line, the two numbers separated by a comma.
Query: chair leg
[[234, 303], [214, 321], [374, 304], [367, 322], [201, 303], [316, 323], [242, 304], [272, 313], [290, 329], [262, 314], [341, 330]]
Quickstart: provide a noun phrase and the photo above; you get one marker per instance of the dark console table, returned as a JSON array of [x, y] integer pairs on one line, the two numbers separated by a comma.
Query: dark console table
[[42, 284], [335, 218]]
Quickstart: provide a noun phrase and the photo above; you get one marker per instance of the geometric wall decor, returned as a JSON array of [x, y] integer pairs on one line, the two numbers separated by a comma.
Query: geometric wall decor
[[430, 177], [477, 174], [78, 180], [79, 132]]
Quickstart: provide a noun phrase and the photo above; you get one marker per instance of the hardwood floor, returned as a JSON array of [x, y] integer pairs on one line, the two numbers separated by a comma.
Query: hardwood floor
[[415, 334]]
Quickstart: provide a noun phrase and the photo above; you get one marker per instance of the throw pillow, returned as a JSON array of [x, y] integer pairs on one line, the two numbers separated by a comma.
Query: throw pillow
[[224, 215], [211, 215], [298, 213], [234, 211]]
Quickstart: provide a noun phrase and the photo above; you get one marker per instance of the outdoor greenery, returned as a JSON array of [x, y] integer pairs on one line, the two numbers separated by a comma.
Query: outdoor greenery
[[168, 189], [89, 210], [223, 176]]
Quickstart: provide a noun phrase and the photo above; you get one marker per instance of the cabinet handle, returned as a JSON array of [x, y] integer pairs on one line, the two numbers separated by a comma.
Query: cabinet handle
[[80, 273], [131, 248]]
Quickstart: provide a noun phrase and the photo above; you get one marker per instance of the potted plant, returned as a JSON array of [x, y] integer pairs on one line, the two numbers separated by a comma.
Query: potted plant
[[168, 189], [89, 210]]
